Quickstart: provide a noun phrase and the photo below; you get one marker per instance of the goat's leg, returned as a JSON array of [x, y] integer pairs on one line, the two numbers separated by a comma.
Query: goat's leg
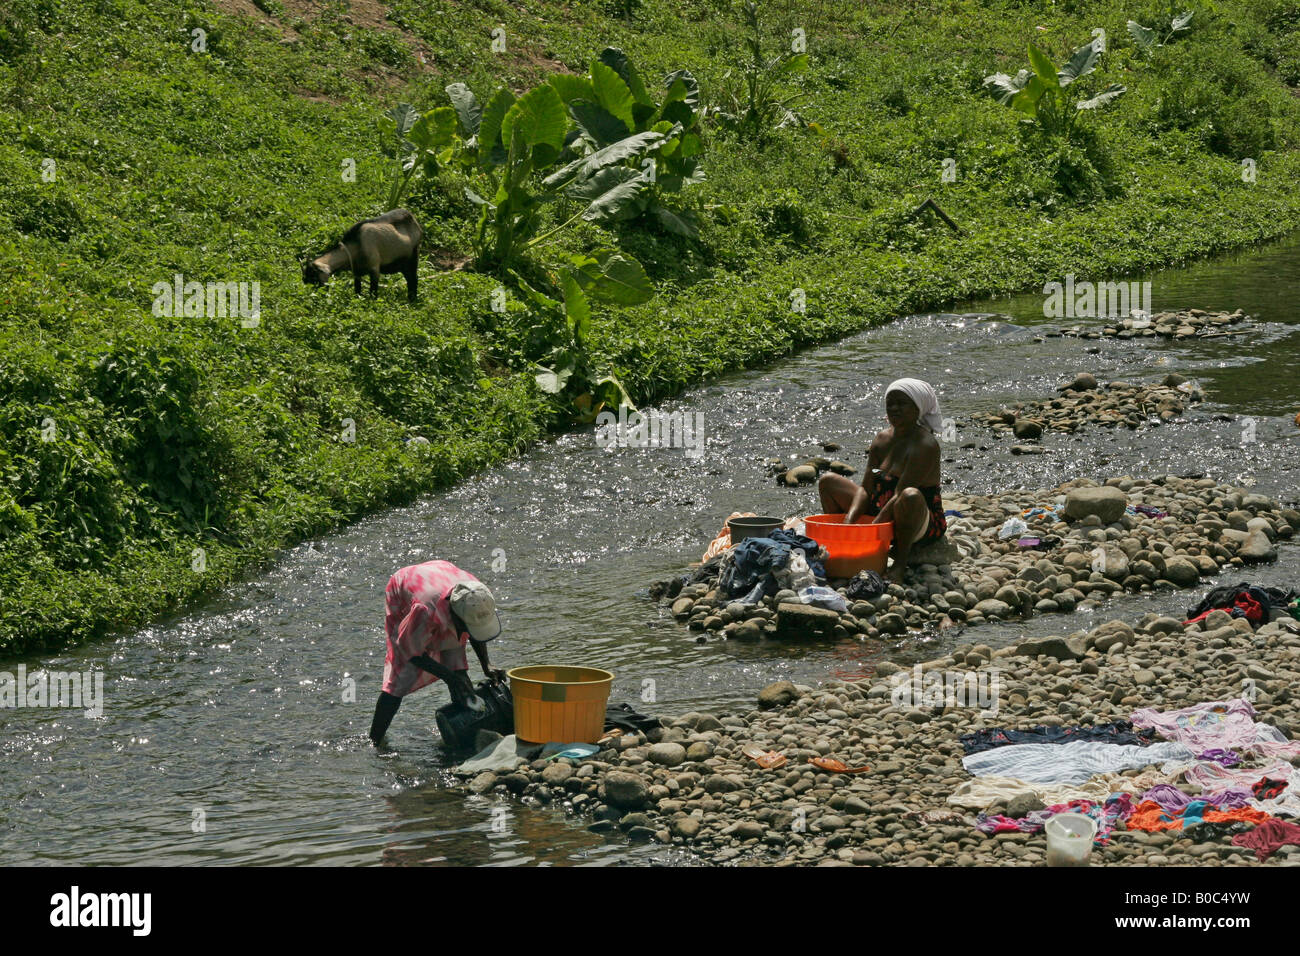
[[412, 272]]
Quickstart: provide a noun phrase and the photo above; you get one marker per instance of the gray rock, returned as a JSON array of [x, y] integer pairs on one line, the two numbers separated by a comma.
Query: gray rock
[[777, 695], [1052, 647], [717, 783], [748, 830], [993, 608], [1105, 503], [1027, 429], [667, 755], [938, 553], [556, 772], [891, 623], [700, 750], [1182, 572], [1023, 804], [1083, 382], [801, 475], [686, 827], [1257, 548], [800, 621], [624, 790]]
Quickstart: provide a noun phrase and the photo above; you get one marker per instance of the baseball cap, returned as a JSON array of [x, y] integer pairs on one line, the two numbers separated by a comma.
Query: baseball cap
[[474, 604]]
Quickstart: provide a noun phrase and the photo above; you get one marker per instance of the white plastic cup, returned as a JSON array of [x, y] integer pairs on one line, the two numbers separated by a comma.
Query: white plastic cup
[[1069, 839]]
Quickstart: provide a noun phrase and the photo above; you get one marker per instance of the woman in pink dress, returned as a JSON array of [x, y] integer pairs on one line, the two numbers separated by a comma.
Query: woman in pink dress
[[431, 610]]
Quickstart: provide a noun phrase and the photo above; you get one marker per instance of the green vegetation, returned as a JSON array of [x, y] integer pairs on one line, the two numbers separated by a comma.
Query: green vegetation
[[148, 456], [1041, 95]]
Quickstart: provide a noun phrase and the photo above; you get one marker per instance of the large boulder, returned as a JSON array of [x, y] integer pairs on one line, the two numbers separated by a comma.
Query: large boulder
[[1106, 503], [777, 695], [626, 791], [1182, 572], [804, 621], [1257, 548]]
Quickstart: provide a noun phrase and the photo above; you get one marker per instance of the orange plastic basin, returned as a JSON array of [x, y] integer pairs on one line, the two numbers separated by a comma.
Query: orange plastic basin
[[861, 546]]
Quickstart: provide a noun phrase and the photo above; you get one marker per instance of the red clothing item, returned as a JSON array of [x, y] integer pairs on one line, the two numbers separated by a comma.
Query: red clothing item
[[1268, 837], [417, 621], [1151, 817], [1244, 814]]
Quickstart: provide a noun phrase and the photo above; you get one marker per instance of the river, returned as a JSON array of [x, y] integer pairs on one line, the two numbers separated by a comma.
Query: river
[[227, 736]]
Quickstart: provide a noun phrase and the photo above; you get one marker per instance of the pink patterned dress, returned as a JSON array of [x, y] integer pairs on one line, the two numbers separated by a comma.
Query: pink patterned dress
[[417, 620]]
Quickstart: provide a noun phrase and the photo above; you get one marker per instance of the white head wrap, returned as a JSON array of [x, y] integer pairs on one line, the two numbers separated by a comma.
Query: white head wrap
[[925, 398]]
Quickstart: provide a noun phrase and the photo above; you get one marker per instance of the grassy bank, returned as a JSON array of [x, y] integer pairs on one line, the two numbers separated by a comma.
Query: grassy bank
[[146, 459]]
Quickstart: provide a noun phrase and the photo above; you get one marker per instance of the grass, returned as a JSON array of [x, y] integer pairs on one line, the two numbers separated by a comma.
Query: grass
[[146, 460]]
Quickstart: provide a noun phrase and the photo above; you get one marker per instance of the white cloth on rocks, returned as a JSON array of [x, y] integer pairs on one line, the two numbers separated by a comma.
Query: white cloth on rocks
[[985, 791], [1209, 775], [501, 754], [924, 397], [1073, 763]]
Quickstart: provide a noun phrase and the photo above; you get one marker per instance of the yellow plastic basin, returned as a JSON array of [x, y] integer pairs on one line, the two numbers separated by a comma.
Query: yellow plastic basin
[[560, 704]]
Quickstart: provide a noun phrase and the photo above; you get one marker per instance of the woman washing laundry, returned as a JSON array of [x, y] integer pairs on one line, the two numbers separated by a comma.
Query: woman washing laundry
[[432, 610], [901, 483]]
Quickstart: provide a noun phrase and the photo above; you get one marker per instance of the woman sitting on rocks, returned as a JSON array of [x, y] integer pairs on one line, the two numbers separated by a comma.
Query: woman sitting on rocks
[[901, 482]]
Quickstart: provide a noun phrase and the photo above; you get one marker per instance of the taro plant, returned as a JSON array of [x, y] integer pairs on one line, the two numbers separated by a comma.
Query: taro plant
[[634, 152], [754, 98], [600, 139], [1148, 38], [1041, 94], [415, 143], [567, 367]]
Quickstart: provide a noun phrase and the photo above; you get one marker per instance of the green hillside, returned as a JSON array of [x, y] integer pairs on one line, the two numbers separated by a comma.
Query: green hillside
[[147, 458]]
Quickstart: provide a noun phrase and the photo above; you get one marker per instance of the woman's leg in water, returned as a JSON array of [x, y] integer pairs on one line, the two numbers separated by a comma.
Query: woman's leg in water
[[911, 516], [836, 493]]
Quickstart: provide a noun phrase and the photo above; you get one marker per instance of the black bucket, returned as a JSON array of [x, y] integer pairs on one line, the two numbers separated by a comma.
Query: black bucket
[[755, 527], [459, 725]]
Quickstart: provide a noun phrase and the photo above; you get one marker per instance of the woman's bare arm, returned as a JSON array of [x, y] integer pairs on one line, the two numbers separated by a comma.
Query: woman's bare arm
[[868, 490]]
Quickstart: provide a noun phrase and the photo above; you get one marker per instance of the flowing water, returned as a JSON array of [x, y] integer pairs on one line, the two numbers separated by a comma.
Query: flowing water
[[232, 720]]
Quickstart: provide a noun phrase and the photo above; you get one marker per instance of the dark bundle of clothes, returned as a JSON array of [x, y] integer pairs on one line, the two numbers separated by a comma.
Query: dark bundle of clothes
[[865, 586], [623, 717], [751, 562], [1250, 601]]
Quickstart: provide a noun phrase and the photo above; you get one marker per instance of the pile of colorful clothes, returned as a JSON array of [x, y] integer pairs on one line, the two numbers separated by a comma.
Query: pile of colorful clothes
[[759, 567], [1083, 770]]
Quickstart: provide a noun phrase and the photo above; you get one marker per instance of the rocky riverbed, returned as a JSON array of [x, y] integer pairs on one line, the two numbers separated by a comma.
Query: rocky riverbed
[[1188, 528], [688, 783], [1182, 324], [1084, 401]]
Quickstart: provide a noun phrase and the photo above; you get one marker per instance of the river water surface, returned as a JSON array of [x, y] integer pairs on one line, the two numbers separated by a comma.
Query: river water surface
[[231, 720]]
